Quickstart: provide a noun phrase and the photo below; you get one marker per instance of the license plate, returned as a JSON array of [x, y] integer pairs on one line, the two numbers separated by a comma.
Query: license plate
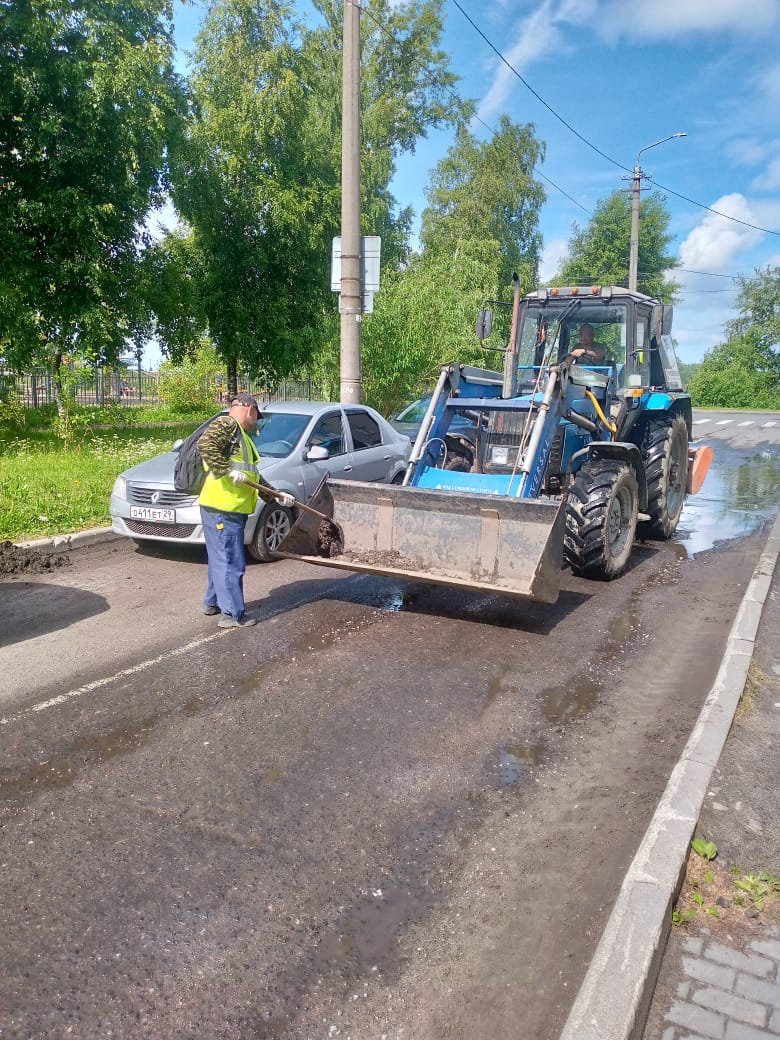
[[157, 516]]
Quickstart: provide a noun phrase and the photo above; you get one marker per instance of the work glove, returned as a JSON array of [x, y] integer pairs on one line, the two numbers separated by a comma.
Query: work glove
[[285, 499], [238, 477]]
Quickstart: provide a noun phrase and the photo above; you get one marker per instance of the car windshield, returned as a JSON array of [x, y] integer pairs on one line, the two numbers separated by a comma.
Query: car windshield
[[277, 433], [414, 412]]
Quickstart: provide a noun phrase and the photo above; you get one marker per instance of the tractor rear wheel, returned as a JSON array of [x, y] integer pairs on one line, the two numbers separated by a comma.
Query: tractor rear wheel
[[601, 518], [665, 454]]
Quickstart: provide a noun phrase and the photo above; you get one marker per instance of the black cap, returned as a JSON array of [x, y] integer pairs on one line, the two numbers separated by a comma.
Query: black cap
[[245, 399]]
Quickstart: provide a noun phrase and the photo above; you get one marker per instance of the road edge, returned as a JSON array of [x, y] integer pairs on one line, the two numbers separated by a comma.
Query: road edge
[[77, 540], [614, 998]]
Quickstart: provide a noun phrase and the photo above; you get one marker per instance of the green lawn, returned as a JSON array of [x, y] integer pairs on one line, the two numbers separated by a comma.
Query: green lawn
[[47, 490]]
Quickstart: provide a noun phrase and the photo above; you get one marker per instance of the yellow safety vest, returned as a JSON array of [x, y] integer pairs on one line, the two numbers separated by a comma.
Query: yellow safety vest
[[223, 494]]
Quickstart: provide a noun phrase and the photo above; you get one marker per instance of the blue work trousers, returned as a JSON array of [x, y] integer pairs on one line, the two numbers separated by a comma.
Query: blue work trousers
[[224, 534]]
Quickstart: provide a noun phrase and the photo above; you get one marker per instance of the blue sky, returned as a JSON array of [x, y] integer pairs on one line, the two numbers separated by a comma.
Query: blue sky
[[624, 74]]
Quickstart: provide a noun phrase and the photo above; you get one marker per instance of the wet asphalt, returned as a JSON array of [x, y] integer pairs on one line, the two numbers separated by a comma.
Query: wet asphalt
[[390, 810]]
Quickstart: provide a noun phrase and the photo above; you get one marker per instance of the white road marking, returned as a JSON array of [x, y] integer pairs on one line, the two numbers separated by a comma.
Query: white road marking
[[124, 674], [697, 421], [748, 423], [772, 422], [723, 422]]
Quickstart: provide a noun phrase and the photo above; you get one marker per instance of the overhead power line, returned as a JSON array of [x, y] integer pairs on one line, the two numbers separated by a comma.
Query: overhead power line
[[469, 105], [590, 144]]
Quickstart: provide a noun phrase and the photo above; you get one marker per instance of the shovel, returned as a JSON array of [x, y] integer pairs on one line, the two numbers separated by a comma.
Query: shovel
[[330, 537]]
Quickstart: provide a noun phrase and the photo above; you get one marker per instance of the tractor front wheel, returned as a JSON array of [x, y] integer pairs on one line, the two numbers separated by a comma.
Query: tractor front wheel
[[601, 518], [665, 454]]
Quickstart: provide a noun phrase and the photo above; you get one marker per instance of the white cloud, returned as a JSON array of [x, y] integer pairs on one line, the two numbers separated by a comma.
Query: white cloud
[[550, 262], [545, 24], [769, 180], [750, 151], [666, 19], [715, 243], [769, 83], [698, 328]]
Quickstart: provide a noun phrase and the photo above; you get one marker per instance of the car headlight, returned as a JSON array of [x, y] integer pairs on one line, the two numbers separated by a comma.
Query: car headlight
[[119, 489]]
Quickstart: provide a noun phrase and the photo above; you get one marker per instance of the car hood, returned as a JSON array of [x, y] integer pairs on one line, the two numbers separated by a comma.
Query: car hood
[[159, 470]]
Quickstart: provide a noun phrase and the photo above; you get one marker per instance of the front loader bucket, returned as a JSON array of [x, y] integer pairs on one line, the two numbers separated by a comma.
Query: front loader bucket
[[487, 542]]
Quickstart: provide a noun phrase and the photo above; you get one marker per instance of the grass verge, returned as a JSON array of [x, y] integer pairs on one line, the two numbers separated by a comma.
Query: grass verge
[[47, 489]]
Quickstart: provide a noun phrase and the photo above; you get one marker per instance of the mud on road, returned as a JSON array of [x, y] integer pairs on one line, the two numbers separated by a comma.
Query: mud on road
[[389, 810], [15, 559]]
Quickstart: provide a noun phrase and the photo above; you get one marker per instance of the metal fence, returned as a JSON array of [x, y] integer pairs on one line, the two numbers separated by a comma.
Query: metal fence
[[133, 388]]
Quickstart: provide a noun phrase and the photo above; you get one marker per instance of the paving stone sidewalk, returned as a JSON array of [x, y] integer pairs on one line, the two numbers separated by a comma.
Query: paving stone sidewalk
[[726, 993], [720, 978]]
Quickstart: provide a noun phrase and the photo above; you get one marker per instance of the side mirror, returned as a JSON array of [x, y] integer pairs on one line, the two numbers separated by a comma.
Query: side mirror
[[484, 324], [661, 321], [177, 444], [317, 453]]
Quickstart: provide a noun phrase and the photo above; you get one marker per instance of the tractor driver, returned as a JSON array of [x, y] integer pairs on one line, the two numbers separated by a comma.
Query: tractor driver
[[585, 347]]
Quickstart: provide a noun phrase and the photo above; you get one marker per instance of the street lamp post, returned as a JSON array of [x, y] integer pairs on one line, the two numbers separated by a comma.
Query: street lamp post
[[633, 262]]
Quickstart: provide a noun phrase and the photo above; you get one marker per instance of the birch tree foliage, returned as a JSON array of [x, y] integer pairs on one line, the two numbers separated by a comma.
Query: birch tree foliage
[[88, 103], [480, 226], [248, 185], [599, 252], [744, 372]]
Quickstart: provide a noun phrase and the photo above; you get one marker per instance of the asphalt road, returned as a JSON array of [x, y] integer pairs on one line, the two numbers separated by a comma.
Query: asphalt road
[[389, 810]]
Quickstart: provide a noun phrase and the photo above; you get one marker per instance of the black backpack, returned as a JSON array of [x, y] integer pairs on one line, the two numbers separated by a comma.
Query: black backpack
[[189, 474]]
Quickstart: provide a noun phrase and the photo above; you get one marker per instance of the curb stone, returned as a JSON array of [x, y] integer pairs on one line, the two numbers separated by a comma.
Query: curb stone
[[63, 542], [614, 998]]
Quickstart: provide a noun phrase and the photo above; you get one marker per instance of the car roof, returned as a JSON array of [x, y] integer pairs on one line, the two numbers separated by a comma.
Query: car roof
[[306, 407]]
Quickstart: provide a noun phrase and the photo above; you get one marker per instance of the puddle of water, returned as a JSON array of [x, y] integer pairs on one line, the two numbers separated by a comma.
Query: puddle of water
[[395, 602], [367, 932], [737, 497], [570, 700], [63, 770], [515, 760]]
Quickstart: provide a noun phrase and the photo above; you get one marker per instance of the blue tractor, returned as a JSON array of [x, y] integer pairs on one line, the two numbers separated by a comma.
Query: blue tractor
[[580, 445]]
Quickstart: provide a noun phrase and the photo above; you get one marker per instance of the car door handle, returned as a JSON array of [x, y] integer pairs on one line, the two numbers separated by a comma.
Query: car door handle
[[347, 469]]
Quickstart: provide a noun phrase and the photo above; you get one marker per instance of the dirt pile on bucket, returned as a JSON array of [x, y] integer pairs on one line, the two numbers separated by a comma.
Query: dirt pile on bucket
[[329, 539], [14, 559]]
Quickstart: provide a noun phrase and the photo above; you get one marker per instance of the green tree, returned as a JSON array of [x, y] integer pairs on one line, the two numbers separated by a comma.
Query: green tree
[[257, 178], [484, 191], [249, 189], [599, 252], [758, 304], [480, 227], [737, 374], [170, 280], [744, 372], [88, 102], [407, 90], [193, 384]]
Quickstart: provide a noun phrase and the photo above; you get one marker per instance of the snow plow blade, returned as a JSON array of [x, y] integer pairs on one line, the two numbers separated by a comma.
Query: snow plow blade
[[489, 543]]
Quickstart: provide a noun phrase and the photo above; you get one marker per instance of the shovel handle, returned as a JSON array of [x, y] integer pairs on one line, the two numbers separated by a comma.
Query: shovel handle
[[296, 503]]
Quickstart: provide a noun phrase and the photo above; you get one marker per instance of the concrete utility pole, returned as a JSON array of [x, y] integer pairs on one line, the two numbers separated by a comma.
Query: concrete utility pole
[[633, 260], [351, 301]]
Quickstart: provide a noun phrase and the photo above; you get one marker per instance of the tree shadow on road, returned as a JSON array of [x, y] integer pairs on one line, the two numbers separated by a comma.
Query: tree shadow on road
[[28, 609]]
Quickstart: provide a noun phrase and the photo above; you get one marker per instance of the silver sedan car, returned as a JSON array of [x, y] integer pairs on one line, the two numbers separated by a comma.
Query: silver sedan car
[[299, 442]]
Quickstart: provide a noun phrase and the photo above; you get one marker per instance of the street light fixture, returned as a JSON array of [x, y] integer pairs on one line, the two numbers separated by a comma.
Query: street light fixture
[[633, 262]]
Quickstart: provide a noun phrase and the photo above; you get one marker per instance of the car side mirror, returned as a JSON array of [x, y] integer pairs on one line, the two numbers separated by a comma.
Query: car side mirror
[[177, 444], [317, 453]]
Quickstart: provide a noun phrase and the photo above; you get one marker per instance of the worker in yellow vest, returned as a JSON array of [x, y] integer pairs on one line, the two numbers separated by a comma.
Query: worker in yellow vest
[[226, 500]]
